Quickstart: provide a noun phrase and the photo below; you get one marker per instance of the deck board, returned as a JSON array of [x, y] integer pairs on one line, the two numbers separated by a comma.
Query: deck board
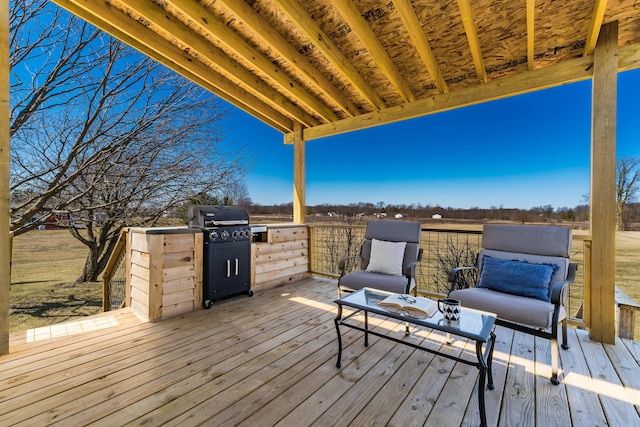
[[617, 405], [552, 408], [270, 360], [584, 403], [625, 366]]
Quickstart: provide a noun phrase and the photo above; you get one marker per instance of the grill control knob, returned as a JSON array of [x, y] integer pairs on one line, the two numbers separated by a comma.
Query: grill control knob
[[213, 235], [225, 235], [234, 234]]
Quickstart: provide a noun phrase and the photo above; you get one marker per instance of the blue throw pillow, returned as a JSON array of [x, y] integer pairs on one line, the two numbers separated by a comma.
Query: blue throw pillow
[[517, 277]]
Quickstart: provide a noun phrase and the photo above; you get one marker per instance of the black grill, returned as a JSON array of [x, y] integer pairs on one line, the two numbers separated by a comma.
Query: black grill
[[226, 260]]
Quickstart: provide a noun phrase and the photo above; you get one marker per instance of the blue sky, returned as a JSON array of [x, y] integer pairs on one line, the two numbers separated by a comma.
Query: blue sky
[[520, 152]]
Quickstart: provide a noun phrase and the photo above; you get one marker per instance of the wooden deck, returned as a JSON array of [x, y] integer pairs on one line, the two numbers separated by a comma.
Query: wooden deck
[[270, 360]]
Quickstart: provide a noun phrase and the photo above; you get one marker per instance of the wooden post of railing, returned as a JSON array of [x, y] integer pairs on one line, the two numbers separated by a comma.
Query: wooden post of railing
[[586, 315], [625, 313], [311, 254]]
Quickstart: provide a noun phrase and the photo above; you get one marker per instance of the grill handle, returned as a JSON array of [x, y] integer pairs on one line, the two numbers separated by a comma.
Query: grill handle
[[236, 266], [228, 268]]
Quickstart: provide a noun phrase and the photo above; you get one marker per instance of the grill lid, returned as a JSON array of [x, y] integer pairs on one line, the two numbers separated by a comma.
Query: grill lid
[[216, 216]]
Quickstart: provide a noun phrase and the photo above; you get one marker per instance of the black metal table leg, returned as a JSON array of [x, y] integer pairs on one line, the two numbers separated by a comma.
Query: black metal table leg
[[366, 328], [491, 344], [482, 366], [337, 321], [484, 339]]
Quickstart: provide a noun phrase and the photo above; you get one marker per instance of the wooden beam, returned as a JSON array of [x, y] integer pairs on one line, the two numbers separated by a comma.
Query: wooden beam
[[628, 57], [597, 16], [531, 8], [471, 29], [261, 28], [214, 55], [5, 156], [603, 185], [323, 43], [299, 175], [419, 39], [153, 45], [570, 71], [216, 28], [359, 26]]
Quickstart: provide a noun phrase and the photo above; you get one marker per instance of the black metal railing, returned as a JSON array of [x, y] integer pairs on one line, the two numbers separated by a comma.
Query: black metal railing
[[443, 249], [114, 278]]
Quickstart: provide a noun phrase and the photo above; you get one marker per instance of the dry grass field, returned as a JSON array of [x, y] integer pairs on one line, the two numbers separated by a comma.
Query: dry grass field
[[628, 263], [43, 287], [46, 264]]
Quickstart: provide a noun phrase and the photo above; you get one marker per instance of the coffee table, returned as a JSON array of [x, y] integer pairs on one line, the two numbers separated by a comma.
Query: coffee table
[[473, 324]]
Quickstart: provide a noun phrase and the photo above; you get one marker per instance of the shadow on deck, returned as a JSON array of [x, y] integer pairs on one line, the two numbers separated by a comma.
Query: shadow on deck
[[270, 360]]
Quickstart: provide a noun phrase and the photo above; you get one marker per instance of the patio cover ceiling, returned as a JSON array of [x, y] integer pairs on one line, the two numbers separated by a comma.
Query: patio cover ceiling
[[330, 67]]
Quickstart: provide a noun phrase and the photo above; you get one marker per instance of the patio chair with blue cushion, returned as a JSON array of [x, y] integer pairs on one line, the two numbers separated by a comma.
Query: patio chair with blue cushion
[[388, 258], [524, 274]]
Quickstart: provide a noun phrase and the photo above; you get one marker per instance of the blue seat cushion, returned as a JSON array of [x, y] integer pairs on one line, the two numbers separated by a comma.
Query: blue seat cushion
[[517, 277]]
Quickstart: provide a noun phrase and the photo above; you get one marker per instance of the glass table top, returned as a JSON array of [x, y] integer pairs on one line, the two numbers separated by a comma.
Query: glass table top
[[473, 324]]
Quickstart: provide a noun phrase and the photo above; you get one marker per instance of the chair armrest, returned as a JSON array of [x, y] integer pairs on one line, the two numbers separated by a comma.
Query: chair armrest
[[559, 290], [343, 262], [410, 271], [451, 278]]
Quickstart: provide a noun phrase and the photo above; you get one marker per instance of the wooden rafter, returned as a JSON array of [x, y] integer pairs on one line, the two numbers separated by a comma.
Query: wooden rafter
[[151, 44], [471, 29], [324, 44], [216, 58], [531, 5], [279, 61], [275, 41], [354, 19], [597, 16], [210, 23], [419, 39], [574, 70]]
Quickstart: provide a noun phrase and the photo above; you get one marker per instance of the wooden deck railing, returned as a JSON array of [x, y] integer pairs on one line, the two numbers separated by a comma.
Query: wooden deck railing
[[443, 249], [114, 275]]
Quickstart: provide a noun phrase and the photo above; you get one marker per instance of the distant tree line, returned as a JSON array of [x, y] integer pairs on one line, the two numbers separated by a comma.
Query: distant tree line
[[627, 206], [546, 213]]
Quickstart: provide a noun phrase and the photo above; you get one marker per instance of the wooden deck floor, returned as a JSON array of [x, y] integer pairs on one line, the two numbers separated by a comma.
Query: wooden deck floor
[[270, 360]]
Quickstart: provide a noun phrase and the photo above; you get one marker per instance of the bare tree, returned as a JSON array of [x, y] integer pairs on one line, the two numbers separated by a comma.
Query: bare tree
[[49, 53], [238, 194], [105, 135], [627, 186], [454, 251], [345, 241]]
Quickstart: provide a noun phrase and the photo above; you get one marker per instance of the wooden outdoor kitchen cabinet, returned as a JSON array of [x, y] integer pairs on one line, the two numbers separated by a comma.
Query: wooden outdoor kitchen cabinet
[[164, 266], [282, 258], [164, 271]]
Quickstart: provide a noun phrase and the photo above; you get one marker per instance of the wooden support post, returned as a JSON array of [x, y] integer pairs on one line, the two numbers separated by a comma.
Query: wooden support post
[[603, 181], [5, 218], [299, 175]]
